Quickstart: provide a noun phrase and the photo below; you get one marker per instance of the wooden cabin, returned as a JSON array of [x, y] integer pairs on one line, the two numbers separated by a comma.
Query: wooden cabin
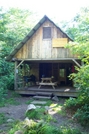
[[42, 53]]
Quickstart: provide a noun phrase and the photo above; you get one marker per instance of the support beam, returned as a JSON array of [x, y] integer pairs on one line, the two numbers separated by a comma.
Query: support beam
[[20, 63], [76, 63]]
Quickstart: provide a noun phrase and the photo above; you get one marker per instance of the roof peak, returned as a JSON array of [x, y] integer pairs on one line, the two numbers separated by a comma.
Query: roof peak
[[30, 34]]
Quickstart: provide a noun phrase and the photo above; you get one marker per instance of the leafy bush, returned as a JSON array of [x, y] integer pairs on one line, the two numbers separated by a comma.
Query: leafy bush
[[70, 102], [41, 128], [39, 113], [68, 130], [5, 84], [80, 105], [73, 104], [82, 115], [35, 113], [3, 92], [6, 79]]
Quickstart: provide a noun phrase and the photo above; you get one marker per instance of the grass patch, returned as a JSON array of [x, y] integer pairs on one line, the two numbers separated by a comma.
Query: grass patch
[[49, 102], [58, 108], [10, 101], [3, 103], [29, 101], [2, 118], [14, 94]]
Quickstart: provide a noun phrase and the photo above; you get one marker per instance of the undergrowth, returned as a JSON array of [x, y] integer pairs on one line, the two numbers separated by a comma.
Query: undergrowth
[[2, 118], [10, 101], [78, 109], [41, 128]]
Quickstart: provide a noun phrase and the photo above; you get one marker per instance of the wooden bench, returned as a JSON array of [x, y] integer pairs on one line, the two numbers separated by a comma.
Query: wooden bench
[[48, 84]]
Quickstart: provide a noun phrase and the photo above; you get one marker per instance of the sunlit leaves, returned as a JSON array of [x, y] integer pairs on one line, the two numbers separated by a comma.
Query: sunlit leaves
[[14, 25], [81, 78]]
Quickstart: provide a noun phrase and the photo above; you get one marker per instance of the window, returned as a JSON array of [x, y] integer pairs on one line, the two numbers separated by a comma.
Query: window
[[62, 73], [46, 32]]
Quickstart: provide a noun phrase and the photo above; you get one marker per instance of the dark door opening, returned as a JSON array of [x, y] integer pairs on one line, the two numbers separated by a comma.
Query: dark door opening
[[45, 70]]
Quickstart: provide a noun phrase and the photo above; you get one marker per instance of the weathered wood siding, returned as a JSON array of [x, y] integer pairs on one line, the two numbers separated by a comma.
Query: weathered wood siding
[[35, 70], [38, 48]]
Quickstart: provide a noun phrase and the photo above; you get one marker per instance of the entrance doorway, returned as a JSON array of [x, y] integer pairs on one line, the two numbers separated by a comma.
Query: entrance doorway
[[45, 70]]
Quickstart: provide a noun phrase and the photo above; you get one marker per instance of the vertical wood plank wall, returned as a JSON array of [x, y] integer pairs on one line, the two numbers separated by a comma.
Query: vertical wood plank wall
[[35, 70], [38, 48]]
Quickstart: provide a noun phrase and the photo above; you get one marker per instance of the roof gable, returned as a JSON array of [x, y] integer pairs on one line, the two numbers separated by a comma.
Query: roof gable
[[30, 34]]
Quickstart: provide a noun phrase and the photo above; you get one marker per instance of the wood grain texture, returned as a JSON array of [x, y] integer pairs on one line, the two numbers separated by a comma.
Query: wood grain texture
[[38, 48]]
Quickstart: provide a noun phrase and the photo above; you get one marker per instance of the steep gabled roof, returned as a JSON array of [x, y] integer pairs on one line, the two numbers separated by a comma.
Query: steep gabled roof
[[30, 34]]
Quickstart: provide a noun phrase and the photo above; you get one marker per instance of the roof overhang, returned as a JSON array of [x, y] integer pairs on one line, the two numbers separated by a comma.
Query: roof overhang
[[58, 60]]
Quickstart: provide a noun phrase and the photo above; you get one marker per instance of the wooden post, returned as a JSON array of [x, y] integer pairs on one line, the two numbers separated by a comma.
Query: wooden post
[[16, 76], [38, 71], [52, 69]]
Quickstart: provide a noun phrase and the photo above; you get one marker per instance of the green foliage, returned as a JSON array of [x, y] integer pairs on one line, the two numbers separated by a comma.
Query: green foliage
[[49, 102], [39, 113], [81, 79], [42, 128], [14, 25], [69, 130], [2, 118], [80, 105], [69, 28], [82, 115], [12, 101], [78, 27], [29, 101], [7, 82], [5, 102], [71, 102], [34, 114], [15, 126]]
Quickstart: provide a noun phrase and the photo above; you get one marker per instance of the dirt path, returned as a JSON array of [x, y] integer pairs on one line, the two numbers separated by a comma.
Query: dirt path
[[17, 112]]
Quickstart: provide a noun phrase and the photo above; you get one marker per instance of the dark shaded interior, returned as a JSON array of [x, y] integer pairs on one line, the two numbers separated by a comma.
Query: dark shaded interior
[[60, 72]]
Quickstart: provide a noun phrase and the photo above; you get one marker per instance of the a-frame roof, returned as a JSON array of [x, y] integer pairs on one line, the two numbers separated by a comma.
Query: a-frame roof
[[30, 34]]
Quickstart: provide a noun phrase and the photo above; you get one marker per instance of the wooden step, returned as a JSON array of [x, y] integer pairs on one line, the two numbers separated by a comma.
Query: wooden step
[[44, 93], [41, 97], [38, 102]]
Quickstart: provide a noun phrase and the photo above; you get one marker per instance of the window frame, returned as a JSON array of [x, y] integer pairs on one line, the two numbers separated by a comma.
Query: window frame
[[45, 30]]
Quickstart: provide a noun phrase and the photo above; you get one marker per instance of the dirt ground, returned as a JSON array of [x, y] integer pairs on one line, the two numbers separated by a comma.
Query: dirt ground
[[17, 112]]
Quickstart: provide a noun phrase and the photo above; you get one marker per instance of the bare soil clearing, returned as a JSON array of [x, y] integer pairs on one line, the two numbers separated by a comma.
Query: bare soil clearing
[[17, 112]]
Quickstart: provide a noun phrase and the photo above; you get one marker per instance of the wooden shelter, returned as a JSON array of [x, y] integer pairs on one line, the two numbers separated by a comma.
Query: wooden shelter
[[42, 53]]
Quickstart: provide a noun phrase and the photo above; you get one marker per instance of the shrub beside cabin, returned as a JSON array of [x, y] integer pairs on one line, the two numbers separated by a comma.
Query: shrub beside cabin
[[42, 53]]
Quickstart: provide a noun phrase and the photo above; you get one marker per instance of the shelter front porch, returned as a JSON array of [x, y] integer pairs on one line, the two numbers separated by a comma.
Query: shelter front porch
[[29, 75], [62, 91], [58, 70]]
